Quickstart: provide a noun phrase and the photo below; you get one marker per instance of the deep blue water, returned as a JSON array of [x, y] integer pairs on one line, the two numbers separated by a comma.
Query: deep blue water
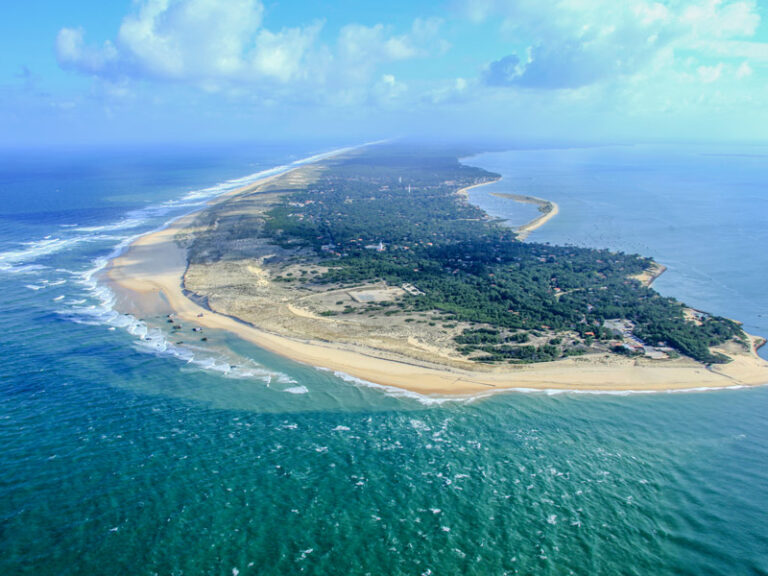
[[123, 458]]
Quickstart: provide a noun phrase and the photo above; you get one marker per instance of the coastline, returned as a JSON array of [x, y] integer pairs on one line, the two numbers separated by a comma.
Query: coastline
[[547, 208], [648, 276], [148, 280], [465, 191]]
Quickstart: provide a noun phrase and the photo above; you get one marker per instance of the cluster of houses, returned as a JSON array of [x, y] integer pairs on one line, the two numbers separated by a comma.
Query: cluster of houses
[[632, 343]]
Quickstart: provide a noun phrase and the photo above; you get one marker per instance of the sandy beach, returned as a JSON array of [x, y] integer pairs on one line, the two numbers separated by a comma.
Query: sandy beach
[[148, 278], [650, 274], [547, 208]]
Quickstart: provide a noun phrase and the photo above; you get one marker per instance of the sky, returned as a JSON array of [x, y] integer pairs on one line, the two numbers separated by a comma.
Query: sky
[[88, 71]]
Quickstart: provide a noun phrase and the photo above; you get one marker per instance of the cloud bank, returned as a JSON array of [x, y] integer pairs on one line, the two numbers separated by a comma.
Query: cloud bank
[[484, 59], [218, 45], [572, 44]]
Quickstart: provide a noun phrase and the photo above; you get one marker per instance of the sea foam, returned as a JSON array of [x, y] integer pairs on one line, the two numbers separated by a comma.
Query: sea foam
[[98, 306]]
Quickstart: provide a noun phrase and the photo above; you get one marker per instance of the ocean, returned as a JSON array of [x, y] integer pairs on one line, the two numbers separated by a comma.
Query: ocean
[[124, 453]]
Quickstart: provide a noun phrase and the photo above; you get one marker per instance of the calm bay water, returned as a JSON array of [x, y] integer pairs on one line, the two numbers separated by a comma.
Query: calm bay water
[[123, 456], [702, 211]]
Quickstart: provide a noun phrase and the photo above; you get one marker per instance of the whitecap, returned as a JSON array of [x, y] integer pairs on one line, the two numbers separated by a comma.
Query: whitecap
[[297, 390], [33, 269], [35, 249], [102, 312], [149, 339], [395, 392]]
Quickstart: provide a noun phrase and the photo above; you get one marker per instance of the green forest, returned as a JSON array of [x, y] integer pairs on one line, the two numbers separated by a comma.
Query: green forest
[[470, 267]]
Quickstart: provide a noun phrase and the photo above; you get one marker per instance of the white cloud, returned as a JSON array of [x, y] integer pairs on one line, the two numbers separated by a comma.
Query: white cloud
[[360, 51], [744, 70], [200, 40], [720, 19], [360, 48], [388, 89], [73, 53], [709, 74], [457, 90], [192, 38], [285, 55], [632, 57], [754, 51], [225, 46], [575, 43]]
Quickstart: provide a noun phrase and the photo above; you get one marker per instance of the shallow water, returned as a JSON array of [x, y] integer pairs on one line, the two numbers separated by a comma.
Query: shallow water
[[119, 457]]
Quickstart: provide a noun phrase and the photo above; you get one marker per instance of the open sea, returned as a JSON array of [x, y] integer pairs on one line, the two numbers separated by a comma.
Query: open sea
[[123, 453]]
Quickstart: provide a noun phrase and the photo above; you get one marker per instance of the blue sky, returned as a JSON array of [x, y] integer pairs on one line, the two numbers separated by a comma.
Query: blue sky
[[197, 70]]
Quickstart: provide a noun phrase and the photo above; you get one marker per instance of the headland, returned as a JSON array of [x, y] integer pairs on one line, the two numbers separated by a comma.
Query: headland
[[292, 265]]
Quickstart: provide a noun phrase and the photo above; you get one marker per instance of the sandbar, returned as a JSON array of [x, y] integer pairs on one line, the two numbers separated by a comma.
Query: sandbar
[[548, 208]]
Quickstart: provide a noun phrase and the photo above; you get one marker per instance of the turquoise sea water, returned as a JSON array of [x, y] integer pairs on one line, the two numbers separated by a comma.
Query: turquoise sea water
[[127, 456]]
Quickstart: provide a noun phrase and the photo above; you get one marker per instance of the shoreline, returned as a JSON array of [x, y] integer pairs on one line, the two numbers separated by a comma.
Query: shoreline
[[148, 280], [548, 208], [648, 276]]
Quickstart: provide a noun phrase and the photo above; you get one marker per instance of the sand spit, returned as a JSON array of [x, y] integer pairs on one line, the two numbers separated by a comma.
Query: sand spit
[[148, 280], [547, 208]]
